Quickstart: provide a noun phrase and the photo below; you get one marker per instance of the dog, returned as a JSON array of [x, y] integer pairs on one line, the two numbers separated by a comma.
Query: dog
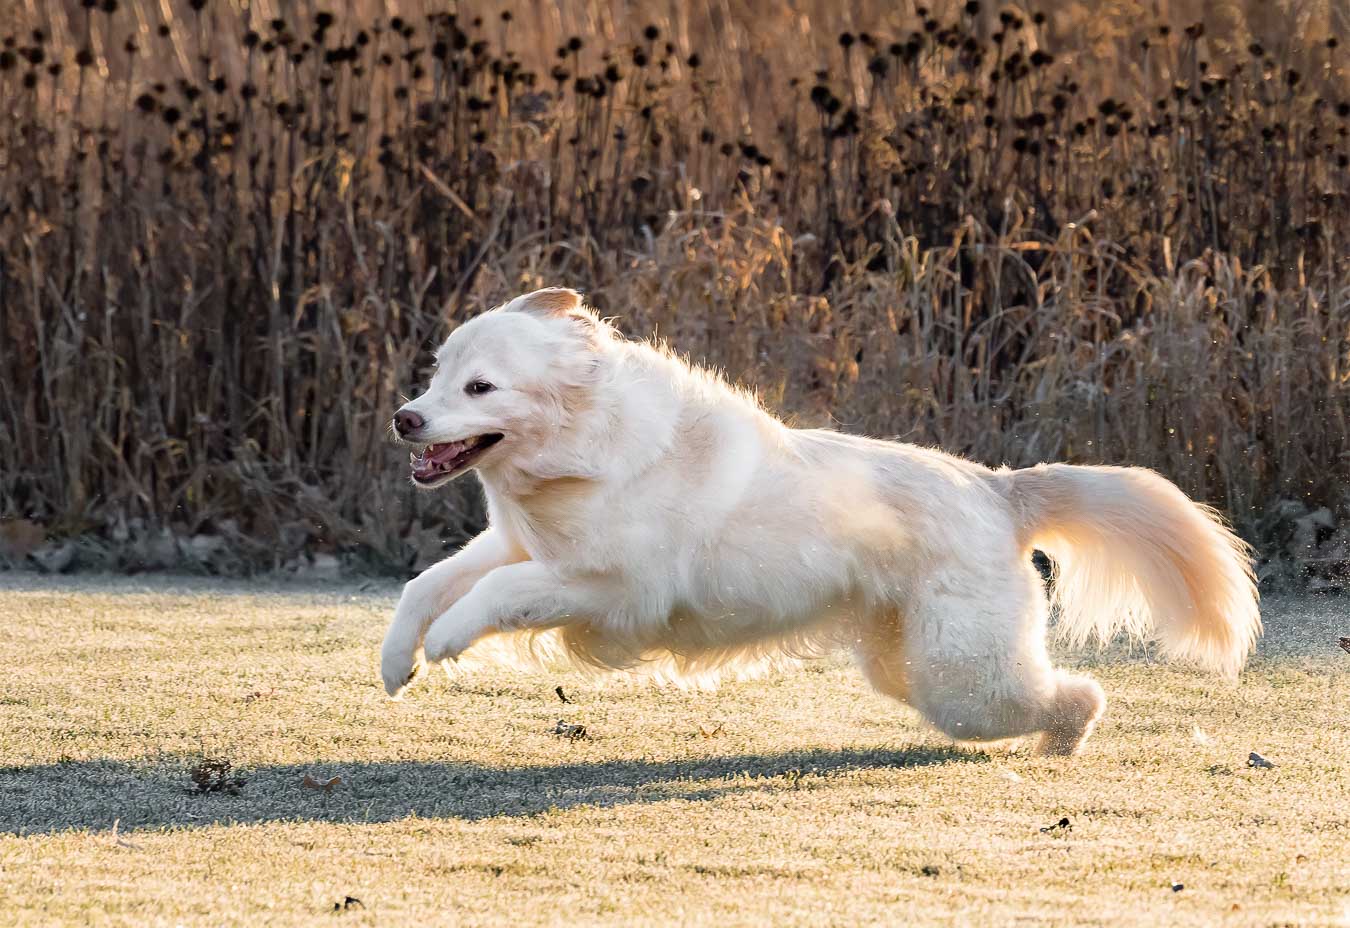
[[643, 512]]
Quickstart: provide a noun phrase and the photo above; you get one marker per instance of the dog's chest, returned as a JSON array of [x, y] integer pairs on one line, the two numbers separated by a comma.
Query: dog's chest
[[561, 524], [598, 533]]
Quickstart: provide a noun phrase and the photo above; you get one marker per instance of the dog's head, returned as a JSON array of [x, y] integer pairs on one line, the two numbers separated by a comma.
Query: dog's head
[[506, 382]]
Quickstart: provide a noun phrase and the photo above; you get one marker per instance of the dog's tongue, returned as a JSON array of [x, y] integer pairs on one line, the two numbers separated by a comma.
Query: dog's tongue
[[445, 453], [436, 459]]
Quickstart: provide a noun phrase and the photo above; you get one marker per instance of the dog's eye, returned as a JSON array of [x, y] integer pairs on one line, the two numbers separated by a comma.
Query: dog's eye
[[478, 387]]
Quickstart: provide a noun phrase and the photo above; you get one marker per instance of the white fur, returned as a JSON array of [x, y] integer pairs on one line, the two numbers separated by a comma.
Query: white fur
[[646, 515]]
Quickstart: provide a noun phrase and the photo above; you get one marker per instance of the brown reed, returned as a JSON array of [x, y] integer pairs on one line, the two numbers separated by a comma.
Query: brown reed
[[228, 243]]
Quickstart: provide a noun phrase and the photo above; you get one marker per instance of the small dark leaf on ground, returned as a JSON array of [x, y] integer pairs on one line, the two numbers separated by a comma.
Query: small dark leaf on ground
[[215, 775], [571, 732], [326, 785]]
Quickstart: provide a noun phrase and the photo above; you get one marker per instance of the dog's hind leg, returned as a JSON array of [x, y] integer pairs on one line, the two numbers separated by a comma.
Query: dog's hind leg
[[979, 666], [881, 653], [1078, 704]]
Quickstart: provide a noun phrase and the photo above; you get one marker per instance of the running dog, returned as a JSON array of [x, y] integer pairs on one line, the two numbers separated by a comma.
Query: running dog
[[645, 513]]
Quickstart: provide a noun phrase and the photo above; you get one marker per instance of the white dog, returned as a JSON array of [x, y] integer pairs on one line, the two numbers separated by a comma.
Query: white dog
[[649, 514]]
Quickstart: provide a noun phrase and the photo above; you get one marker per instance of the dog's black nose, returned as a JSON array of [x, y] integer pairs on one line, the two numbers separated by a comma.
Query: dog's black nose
[[407, 421]]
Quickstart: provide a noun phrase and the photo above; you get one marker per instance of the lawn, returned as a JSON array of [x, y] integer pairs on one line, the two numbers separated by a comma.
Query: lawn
[[801, 798]]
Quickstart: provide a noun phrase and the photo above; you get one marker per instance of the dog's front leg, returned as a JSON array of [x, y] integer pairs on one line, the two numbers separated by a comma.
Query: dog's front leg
[[518, 596], [428, 595]]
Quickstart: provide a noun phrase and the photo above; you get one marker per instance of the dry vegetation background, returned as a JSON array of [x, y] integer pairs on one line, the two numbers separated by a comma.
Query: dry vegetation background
[[231, 231]]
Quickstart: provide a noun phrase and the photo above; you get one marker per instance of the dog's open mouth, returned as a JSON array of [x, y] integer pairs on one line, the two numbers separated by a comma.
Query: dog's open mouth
[[438, 461]]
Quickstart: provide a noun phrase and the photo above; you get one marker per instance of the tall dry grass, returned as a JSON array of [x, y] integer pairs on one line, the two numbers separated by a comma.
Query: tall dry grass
[[228, 238]]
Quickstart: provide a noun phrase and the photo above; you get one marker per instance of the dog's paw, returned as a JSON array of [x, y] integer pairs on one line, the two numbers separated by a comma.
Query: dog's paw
[[399, 674], [444, 644]]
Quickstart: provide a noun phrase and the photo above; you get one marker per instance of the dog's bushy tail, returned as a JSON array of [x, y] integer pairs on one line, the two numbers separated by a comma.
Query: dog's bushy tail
[[1132, 552]]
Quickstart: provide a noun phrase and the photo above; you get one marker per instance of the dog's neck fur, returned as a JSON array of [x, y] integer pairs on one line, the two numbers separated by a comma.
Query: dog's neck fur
[[630, 413]]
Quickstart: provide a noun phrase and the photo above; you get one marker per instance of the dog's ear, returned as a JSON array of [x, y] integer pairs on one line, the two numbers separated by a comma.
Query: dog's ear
[[551, 301], [560, 303]]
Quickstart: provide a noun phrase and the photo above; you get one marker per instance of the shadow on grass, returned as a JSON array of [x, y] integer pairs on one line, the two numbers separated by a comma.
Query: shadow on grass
[[156, 793]]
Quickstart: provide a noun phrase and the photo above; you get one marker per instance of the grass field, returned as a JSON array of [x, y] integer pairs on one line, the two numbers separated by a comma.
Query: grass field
[[797, 799]]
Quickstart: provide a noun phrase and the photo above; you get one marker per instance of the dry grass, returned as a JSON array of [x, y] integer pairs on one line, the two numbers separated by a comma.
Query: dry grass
[[1101, 236], [816, 802]]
